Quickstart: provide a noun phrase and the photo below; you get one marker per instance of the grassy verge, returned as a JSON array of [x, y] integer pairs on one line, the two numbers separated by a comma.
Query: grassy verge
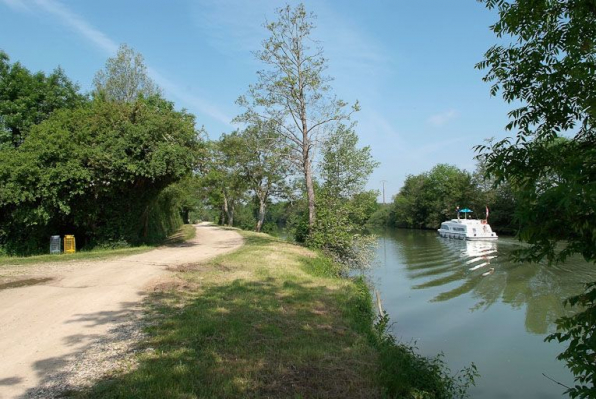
[[186, 232], [270, 320], [82, 255]]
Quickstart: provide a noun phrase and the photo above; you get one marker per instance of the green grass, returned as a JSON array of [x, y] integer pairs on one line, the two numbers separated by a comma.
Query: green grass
[[273, 320], [82, 255], [186, 232], [269, 320]]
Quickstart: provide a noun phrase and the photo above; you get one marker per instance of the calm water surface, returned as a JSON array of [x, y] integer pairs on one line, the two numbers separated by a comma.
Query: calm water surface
[[439, 294]]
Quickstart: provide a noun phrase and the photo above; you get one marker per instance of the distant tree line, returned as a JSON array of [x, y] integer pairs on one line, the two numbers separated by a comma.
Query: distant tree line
[[427, 199]]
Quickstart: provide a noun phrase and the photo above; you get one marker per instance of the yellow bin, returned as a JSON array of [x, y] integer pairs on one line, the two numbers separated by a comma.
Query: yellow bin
[[69, 244]]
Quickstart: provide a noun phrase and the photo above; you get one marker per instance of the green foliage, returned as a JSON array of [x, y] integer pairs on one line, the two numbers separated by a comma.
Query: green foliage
[[322, 266], [345, 167], [342, 206], [362, 206], [338, 236], [263, 164], [428, 199], [580, 331], [27, 99], [96, 171], [500, 197], [125, 78], [403, 372], [224, 186], [549, 69], [293, 95], [381, 217]]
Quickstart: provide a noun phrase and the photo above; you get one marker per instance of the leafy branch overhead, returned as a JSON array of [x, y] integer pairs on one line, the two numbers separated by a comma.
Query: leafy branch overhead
[[550, 69]]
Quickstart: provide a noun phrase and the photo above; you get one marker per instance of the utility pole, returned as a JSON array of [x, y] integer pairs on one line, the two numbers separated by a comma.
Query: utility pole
[[383, 182]]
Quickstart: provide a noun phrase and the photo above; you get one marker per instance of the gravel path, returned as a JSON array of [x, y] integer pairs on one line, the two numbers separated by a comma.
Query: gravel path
[[83, 322]]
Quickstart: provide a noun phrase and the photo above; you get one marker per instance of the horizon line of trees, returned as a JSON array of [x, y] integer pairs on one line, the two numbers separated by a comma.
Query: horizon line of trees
[[427, 199]]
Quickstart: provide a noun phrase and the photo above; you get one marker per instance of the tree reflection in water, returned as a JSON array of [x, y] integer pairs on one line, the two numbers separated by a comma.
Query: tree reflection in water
[[458, 267]]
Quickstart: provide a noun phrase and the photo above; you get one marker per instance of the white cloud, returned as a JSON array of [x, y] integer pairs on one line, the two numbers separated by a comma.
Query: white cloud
[[443, 118], [193, 101], [233, 26], [79, 25], [17, 5], [101, 41], [357, 61]]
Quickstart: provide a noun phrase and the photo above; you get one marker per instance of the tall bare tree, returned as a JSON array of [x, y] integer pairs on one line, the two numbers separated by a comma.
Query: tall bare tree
[[293, 92]]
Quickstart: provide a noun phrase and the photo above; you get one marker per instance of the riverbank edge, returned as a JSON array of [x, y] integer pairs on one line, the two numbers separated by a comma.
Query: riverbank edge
[[271, 319]]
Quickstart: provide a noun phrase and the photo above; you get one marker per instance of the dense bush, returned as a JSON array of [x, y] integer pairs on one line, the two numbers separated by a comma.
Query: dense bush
[[98, 172], [338, 231]]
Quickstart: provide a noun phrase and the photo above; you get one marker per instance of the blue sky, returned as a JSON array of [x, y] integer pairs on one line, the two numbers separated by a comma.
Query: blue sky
[[409, 63]]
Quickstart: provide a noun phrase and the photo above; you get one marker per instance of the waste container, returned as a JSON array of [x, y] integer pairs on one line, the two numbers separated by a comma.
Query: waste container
[[55, 245], [69, 244]]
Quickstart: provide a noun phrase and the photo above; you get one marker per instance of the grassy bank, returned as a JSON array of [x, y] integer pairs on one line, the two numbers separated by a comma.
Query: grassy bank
[[269, 320], [186, 232]]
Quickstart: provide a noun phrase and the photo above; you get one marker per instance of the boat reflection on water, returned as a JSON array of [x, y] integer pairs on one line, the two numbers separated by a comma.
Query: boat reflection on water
[[483, 270], [438, 293], [477, 254]]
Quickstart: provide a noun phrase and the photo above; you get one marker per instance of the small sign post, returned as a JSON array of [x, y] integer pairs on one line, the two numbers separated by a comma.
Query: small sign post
[[55, 245]]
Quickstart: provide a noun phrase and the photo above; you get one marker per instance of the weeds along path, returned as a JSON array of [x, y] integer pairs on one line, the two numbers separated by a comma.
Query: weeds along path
[[48, 329]]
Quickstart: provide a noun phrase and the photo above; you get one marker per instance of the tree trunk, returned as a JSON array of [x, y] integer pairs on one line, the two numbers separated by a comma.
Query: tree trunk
[[310, 193], [225, 208], [146, 222], [306, 161], [261, 217], [229, 210]]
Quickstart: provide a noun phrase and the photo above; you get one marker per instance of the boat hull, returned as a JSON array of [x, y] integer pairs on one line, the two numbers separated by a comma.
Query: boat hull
[[456, 236], [482, 238]]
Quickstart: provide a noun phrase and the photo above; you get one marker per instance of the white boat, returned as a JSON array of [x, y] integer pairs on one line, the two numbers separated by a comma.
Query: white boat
[[467, 229]]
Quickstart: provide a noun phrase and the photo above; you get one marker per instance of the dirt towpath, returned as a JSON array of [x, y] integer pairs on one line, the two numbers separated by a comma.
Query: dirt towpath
[[84, 315]]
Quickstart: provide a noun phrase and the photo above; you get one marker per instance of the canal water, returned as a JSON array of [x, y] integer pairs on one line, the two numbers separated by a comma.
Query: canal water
[[469, 301]]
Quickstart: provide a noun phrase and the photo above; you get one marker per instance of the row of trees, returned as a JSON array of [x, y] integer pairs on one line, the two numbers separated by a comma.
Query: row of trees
[[104, 165], [248, 172], [292, 123], [427, 199]]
